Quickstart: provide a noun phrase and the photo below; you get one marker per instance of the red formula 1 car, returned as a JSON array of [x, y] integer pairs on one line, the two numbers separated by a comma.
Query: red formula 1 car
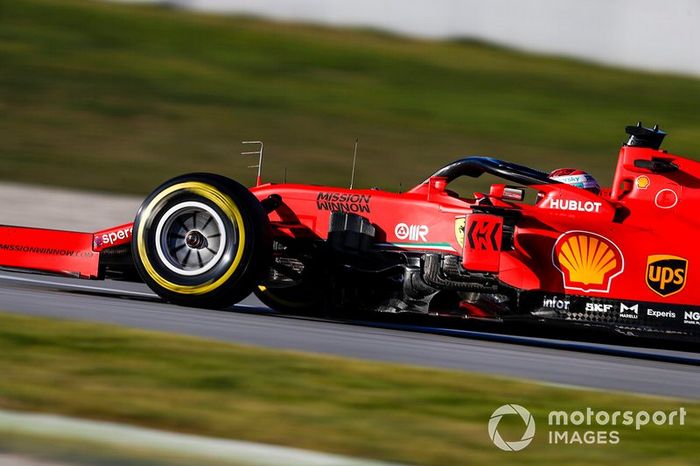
[[621, 259]]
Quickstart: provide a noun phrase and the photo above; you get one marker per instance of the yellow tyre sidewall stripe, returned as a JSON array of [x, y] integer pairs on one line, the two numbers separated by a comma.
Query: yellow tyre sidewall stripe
[[229, 208]]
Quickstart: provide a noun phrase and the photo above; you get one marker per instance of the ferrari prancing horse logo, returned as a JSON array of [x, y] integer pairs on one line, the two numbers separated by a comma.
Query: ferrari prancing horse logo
[[482, 235], [460, 223]]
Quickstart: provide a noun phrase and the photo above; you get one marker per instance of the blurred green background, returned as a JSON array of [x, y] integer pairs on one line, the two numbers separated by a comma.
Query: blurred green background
[[120, 97]]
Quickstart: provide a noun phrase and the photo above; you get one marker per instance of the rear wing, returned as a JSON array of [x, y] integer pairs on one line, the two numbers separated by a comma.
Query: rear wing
[[57, 251]]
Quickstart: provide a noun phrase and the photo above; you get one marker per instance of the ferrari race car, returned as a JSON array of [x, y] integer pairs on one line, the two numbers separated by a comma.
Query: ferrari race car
[[619, 259]]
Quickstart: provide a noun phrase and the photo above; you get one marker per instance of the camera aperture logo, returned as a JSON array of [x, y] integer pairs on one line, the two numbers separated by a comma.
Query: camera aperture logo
[[580, 427], [527, 418]]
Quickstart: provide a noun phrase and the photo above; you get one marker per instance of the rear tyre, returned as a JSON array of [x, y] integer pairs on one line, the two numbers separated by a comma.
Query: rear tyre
[[303, 299], [202, 240]]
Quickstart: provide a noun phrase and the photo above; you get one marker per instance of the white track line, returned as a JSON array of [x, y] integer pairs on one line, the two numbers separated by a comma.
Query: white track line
[[74, 286], [135, 438]]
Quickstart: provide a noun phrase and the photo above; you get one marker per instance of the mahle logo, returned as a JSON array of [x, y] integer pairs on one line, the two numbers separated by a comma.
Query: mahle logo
[[527, 436], [666, 275]]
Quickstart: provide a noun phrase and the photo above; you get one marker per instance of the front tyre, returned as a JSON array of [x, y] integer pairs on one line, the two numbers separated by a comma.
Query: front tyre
[[201, 240]]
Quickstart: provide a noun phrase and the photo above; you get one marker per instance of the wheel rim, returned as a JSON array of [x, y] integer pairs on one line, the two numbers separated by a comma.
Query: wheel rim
[[191, 238]]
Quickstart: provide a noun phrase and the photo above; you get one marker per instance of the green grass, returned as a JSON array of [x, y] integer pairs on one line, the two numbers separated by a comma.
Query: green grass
[[364, 409], [120, 97]]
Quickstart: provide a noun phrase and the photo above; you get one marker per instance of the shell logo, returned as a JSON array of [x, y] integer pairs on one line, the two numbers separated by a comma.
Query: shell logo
[[587, 261], [643, 182]]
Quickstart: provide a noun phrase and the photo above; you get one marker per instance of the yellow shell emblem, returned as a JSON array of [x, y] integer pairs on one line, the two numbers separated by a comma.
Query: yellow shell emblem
[[643, 182], [459, 230], [587, 261]]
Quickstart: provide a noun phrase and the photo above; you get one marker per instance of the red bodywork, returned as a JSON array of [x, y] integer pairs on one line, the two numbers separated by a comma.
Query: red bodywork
[[57, 251], [634, 242], [637, 220], [64, 252]]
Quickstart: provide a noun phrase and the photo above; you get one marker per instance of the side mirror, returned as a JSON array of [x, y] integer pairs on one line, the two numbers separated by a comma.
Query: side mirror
[[506, 193]]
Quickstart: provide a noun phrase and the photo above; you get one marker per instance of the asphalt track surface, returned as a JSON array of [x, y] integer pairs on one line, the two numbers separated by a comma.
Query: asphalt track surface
[[572, 361]]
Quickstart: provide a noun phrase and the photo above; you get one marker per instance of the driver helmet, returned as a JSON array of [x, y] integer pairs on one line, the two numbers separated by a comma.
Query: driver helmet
[[575, 177]]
